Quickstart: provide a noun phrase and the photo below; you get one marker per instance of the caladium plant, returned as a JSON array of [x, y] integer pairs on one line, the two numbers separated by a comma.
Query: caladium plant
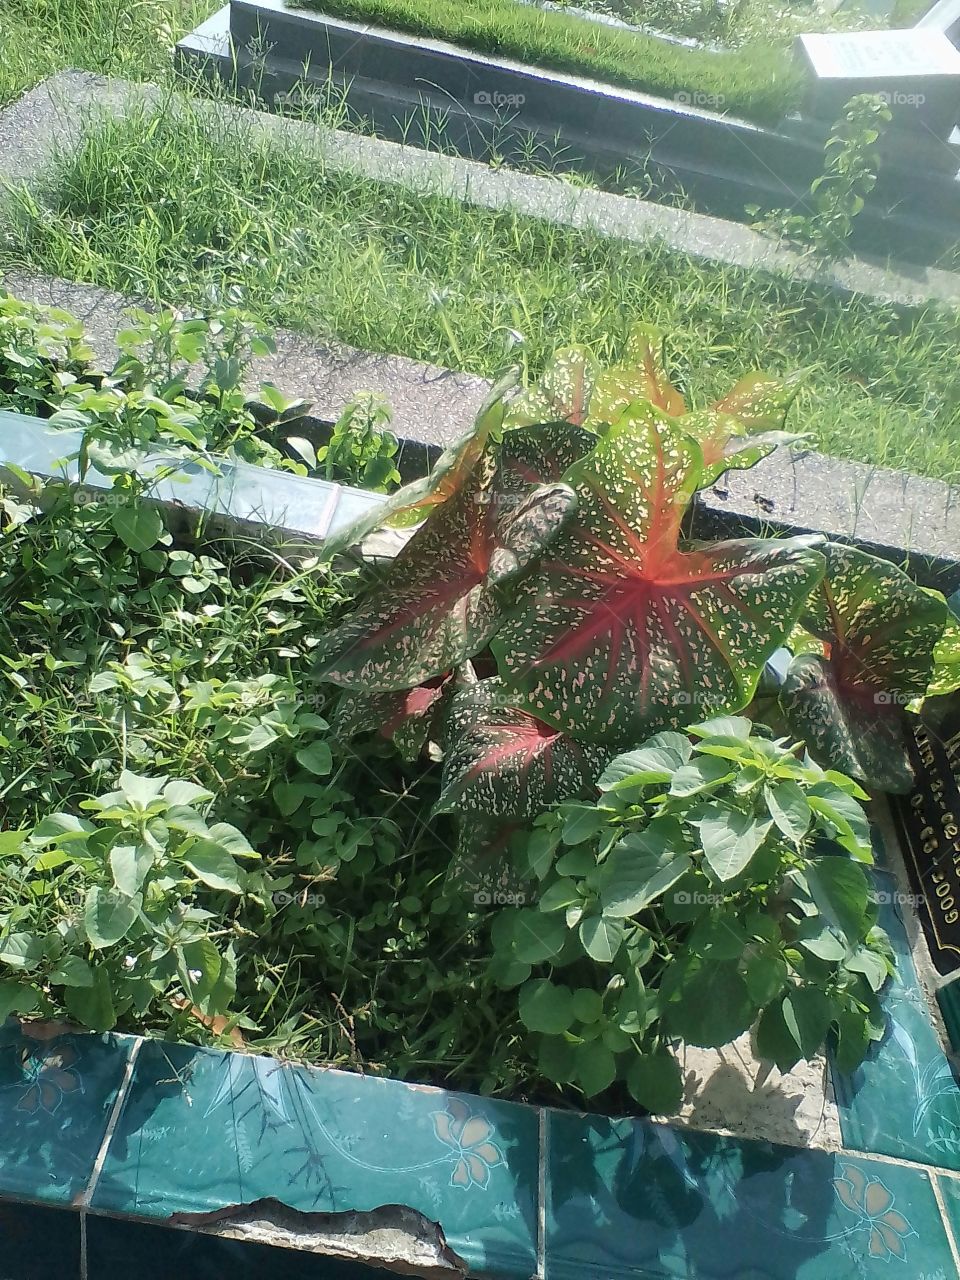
[[553, 551], [878, 632]]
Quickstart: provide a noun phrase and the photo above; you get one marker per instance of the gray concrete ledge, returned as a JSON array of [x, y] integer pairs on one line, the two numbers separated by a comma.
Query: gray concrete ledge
[[431, 406], [47, 122], [904, 517]]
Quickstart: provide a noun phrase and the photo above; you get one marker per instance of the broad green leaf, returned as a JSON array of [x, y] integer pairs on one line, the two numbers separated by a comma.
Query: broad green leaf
[[212, 864], [130, 864], [871, 965], [843, 817], [440, 600], [789, 808], [882, 630], [12, 841], [732, 730], [546, 1006], [558, 896], [775, 1040], [807, 1013], [316, 758], [186, 793], [72, 971], [537, 936], [656, 761], [139, 527], [93, 1005], [622, 632], [581, 822], [139, 791], [587, 1005], [108, 917], [500, 761], [841, 891], [21, 950], [705, 1003], [643, 866], [16, 997], [601, 936], [596, 1067], [817, 938], [730, 839], [706, 773], [656, 1083]]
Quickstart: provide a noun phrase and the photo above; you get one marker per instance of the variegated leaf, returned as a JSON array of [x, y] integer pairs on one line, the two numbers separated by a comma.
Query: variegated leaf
[[879, 631], [562, 394], [409, 717], [541, 454], [438, 602], [502, 762], [451, 472], [622, 632], [646, 350]]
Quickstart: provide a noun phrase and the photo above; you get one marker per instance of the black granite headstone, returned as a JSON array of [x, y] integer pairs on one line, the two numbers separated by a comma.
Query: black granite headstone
[[928, 821]]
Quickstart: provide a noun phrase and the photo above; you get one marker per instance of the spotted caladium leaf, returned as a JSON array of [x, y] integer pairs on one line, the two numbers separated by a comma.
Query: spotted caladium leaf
[[879, 631], [440, 600], [759, 402], [562, 394], [540, 454], [409, 717], [945, 677], [502, 762], [622, 632], [727, 446], [646, 351], [452, 471]]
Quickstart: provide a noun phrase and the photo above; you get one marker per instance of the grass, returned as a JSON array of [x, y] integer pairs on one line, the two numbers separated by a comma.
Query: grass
[[115, 37], [173, 207], [758, 82]]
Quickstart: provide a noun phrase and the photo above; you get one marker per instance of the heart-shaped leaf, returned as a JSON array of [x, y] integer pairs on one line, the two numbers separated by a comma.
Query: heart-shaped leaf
[[621, 632]]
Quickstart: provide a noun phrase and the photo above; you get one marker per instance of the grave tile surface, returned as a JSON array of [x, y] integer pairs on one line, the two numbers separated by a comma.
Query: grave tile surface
[[903, 1100], [57, 1091], [628, 1198], [203, 1130], [39, 1242]]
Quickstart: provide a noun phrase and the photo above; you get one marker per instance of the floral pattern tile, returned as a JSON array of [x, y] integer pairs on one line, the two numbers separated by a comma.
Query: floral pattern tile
[[631, 1198], [57, 1090], [904, 1100], [147, 1252], [202, 1130]]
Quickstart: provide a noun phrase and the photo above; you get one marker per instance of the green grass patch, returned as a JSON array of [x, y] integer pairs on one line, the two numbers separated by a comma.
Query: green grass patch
[[178, 209], [758, 81], [113, 37]]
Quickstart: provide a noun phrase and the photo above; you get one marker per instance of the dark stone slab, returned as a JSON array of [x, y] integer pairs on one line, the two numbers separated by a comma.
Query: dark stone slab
[[399, 81]]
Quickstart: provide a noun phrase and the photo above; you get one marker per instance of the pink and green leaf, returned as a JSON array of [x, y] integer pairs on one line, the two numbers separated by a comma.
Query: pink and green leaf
[[440, 600], [562, 394], [502, 762], [409, 717], [880, 632], [622, 632]]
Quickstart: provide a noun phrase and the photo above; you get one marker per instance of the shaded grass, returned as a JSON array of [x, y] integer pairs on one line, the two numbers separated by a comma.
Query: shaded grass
[[186, 211], [756, 81], [115, 37]]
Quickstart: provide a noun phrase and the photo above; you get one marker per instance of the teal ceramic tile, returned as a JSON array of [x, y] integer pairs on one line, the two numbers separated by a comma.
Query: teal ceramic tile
[[903, 1101], [57, 1091], [38, 1243], [202, 1130], [950, 1193], [117, 1248], [948, 997], [628, 1198]]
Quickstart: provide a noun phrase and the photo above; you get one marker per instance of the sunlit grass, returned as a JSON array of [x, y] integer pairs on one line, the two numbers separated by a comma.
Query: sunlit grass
[[181, 210]]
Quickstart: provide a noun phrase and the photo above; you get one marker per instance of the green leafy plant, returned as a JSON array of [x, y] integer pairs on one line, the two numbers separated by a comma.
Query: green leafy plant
[[716, 886], [132, 906], [840, 193], [361, 452]]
